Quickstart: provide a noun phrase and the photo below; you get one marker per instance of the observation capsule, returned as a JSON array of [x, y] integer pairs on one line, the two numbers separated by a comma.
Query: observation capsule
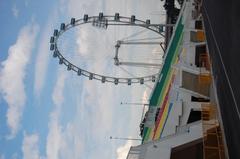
[[100, 17], [133, 18], [79, 72], [90, 76], [55, 54], [52, 39], [69, 67], [62, 26], [116, 81], [61, 61], [148, 21], [129, 82], [116, 17], [103, 79], [73, 21], [85, 18], [55, 33], [52, 47]]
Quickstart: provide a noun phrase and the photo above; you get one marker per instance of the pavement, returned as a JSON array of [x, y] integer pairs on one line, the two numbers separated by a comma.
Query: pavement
[[222, 25]]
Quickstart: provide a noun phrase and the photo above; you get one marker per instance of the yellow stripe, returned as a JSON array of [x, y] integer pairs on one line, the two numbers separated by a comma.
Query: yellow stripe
[[163, 119], [169, 76], [164, 116], [150, 131], [166, 88]]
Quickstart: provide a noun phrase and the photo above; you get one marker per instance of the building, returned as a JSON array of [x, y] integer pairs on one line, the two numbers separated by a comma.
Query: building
[[183, 119]]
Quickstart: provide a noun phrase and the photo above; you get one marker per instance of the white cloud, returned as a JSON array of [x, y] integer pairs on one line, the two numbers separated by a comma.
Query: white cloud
[[54, 138], [26, 3], [43, 54], [57, 95], [2, 156], [41, 63], [30, 147], [15, 11], [122, 151], [76, 8], [71, 143], [12, 75], [15, 156], [98, 112], [62, 142]]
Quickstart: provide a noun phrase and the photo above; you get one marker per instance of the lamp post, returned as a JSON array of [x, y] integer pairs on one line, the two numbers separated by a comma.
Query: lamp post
[[141, 104], [124, 138]]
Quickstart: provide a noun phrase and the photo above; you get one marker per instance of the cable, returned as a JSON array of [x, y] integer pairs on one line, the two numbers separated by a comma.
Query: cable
[[134, 34], [134, 76], [143, 39]]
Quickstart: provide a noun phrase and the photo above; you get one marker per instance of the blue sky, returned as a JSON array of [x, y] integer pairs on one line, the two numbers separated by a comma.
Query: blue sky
[[48, 112]]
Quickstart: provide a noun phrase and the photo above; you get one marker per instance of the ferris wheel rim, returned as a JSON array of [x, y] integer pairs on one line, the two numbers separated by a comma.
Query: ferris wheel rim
[[93, 75]]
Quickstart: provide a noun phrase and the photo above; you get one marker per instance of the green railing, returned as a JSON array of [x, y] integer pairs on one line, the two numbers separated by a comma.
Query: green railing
[[161, 86]]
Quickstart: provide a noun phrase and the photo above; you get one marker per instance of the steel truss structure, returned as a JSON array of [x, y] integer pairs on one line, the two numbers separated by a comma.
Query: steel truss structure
[[103, 21]]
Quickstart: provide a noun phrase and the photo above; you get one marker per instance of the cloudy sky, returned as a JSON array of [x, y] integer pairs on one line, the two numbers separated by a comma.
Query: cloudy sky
[[48, 112]]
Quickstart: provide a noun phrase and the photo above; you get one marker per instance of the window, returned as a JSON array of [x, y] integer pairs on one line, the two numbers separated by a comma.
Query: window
[[198, 24], [201, 51], [195, 115], [199, 99]]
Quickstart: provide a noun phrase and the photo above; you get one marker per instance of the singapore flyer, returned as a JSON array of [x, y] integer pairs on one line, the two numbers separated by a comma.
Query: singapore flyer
[[110, 48]]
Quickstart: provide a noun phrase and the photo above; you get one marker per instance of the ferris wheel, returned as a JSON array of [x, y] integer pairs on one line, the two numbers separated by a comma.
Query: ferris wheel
[[115, 61]]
